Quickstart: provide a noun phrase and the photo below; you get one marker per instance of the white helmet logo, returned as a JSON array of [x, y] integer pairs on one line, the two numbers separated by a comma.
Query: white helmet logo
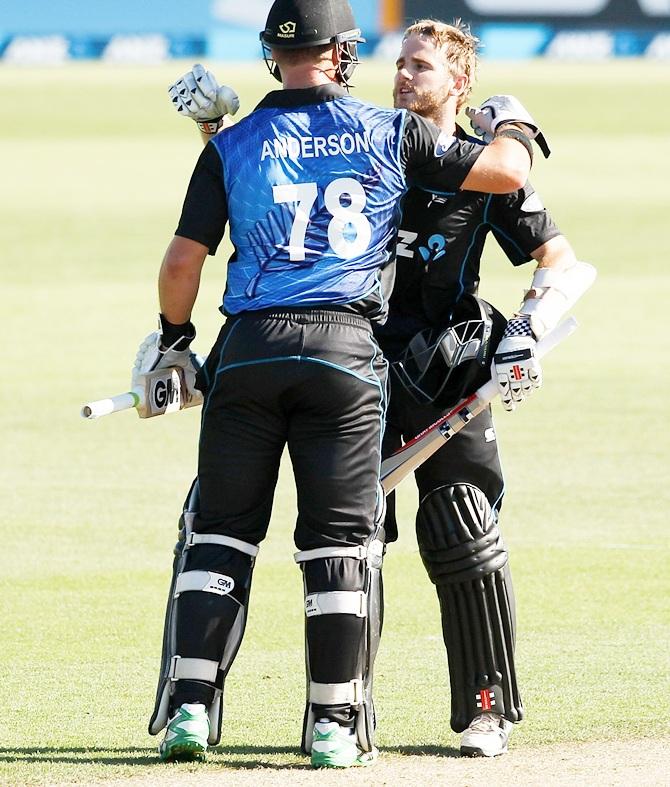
[[287, 29]]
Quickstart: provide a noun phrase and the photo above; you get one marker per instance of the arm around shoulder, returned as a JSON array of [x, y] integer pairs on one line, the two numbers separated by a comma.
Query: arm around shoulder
[[502, 167]]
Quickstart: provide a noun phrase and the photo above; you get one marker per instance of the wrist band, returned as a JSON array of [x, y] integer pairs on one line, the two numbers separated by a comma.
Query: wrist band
[[176, 337], [514, 133], [210, 126]]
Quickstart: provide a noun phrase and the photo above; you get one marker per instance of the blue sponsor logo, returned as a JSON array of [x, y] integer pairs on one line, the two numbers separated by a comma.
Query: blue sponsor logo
[[436, 248]]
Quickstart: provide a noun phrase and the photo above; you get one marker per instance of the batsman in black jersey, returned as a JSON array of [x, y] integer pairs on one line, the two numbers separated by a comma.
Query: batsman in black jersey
[[440, 245]]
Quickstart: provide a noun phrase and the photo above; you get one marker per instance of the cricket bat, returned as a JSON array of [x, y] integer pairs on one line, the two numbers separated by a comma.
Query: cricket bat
[[414, 453], [164, 391]]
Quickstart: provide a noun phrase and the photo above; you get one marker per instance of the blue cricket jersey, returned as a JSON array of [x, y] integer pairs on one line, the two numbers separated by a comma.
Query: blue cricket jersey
[[313, 199], [310, 184]]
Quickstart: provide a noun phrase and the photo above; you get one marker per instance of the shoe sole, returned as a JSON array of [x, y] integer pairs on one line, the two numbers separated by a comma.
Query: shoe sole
[[473, 751], [364, 760], [186, 751]]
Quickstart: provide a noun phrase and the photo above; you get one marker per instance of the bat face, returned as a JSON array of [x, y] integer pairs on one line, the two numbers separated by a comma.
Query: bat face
[[166, 392], [414, 453]]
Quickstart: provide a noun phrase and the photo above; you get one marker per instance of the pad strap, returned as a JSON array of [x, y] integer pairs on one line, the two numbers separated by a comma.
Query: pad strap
[[359, 553], [374, 550], [205, 581], [193, 669], [337, 602], [194, 539], [351, 693]]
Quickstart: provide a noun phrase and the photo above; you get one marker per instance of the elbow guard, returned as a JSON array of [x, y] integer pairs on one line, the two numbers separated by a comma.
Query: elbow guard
[[555, 292]]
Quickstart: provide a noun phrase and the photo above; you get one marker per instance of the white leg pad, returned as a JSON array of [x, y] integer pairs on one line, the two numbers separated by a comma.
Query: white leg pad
[[174, 667], [367, 604]]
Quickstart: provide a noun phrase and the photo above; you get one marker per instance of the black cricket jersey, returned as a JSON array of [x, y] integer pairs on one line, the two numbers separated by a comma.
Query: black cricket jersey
[[439, 249]]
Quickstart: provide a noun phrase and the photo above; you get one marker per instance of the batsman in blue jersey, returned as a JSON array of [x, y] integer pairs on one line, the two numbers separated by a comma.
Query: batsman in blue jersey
[[309, 185]]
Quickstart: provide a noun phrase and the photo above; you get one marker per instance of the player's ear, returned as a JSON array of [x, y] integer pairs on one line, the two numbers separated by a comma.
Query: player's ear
[[461, 82]]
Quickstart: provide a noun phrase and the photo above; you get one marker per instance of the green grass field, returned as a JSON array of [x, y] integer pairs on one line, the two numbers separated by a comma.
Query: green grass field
[[94, 168]]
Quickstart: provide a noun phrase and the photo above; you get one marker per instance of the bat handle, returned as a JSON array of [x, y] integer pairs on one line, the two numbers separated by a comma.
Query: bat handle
[[114, 404], [489, 390]]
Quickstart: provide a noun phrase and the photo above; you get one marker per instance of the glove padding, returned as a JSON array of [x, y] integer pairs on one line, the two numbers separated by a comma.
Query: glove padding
[[504, 109], [197, 95], [515, 368], [154, 354]]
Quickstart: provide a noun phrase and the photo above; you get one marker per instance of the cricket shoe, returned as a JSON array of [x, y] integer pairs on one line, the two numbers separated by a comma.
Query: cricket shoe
[[186, 734], [486, 736], [335, 747]]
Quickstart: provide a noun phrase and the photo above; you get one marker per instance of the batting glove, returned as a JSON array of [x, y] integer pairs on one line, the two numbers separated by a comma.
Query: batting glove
[[197, 95], [504, 109], [516, 368], [165, 348]]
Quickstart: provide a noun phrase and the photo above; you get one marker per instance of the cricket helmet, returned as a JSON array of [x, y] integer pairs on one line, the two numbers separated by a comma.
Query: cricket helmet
[[298, 24], [441, 366]]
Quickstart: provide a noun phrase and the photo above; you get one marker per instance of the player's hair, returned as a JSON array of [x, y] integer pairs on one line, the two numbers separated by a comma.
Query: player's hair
[[457, 44]]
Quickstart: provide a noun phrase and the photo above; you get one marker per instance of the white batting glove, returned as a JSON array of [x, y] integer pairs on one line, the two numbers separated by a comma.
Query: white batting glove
[[504, 109], [197, 95], [167, 347], [515, 367]]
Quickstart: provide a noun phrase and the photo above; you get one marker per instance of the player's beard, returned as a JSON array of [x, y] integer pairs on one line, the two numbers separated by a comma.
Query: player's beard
[[427, 103]]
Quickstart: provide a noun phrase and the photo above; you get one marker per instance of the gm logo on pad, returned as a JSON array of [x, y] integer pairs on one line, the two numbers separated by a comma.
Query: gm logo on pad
[[220, 584]]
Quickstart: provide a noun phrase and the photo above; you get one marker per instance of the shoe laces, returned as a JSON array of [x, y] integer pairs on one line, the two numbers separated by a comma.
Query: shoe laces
[[485, 722]]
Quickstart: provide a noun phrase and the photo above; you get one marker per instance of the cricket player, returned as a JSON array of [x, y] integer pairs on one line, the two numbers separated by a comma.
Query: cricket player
[[440, 245], [309, 184]]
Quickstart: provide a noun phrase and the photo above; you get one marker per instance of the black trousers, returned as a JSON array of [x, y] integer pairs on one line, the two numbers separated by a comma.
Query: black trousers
[[315, 381], [470, 457]]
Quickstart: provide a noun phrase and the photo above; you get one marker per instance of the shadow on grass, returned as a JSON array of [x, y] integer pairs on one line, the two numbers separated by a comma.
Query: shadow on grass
[[143, 756], [424, 751], [147, 755]]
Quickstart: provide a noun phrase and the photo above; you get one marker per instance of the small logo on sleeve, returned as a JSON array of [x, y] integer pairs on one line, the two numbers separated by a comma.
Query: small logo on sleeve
[[443, 143]]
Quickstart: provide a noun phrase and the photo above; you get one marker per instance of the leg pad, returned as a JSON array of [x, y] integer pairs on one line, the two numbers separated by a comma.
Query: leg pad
[[465, 557]]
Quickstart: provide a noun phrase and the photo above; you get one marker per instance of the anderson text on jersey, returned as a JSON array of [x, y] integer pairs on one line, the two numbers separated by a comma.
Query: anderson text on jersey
[[295, 147]]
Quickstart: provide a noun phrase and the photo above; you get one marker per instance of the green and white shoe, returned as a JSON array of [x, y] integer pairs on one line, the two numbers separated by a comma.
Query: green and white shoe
[[186, 734], [335, 747]]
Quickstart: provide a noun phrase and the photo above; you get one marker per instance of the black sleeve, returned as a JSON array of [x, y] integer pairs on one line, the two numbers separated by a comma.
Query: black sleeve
[[521, 223], [205, 211], [433, 159]]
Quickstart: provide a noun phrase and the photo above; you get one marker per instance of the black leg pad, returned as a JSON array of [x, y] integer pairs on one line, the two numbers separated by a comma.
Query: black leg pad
[[465, 557]]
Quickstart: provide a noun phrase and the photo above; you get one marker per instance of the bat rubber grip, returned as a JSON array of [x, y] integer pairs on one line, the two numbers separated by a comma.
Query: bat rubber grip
[[124, 401]]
